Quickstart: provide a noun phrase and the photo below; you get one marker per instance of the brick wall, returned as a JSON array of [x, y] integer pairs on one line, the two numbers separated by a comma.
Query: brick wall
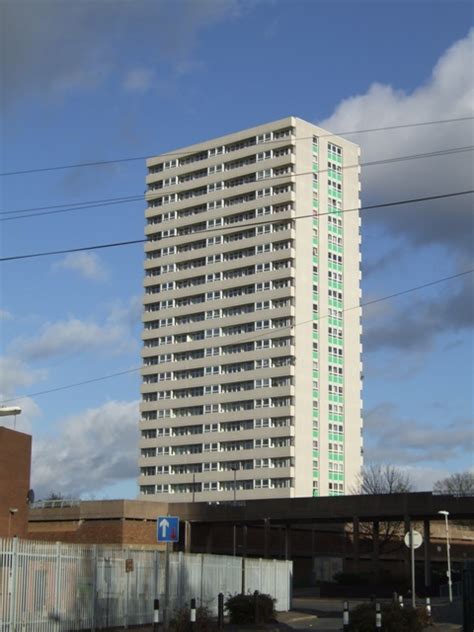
[[15, 460]]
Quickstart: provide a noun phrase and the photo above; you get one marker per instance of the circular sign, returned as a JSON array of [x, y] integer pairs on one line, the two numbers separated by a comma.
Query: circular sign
[[417, 539]]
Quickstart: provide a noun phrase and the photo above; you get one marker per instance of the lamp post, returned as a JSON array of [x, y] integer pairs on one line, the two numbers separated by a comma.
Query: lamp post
[[11, 512], [448, 554], [234, 469], [8, 411]]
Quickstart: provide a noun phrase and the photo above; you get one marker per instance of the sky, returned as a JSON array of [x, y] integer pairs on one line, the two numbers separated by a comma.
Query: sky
[[102, 81]]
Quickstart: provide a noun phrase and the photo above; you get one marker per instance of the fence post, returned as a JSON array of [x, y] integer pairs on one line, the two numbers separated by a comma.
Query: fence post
[[14, 582], [127, 588], [400, 601], [220, 611], [57, 582], [94, 587], [378, 617], [345, 617], [180, 597]]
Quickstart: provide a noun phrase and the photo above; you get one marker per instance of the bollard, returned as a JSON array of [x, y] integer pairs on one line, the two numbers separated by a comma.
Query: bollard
[[428, 610], [192, 613], [378, 617], [395, 598], [345, 617], [400, 601], [156, 614], [220, 611], [257, 612]]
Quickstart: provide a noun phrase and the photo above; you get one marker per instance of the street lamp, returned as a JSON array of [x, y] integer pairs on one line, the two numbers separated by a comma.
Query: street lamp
[[234, 469], [448, 553], [11, 512], [7, 411]]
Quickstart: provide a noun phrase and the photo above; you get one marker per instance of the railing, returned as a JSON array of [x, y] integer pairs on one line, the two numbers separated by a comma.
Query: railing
[[46, 587]]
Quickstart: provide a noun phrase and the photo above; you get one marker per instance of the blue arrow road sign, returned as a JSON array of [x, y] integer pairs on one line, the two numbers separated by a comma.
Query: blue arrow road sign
[[167, 529]]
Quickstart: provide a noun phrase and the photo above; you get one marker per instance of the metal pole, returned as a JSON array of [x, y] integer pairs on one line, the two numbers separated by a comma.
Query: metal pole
[[448, 551], [412, 556], [235, 485], [167, 585], [234, 540], [192, 614]]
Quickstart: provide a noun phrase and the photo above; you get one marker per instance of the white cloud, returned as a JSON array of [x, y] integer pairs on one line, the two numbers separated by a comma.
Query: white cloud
[[448, 93], [5, 315], [87, 264], [138, 80], [14, 374], [415, 230], [91, 450], [72, 336]]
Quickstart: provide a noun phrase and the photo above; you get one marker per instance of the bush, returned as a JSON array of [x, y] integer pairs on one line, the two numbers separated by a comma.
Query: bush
[[180, 621], [256, 608], [394, 619], [350, 579]]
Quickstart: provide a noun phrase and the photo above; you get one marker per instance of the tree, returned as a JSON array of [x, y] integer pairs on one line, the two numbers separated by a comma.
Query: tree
[[458, 484], [382, 479]]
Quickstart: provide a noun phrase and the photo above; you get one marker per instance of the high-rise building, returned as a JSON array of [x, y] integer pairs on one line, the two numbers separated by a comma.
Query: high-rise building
[[252, 336]]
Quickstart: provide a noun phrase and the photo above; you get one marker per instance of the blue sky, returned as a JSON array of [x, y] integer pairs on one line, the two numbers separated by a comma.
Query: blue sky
[[91, 81]]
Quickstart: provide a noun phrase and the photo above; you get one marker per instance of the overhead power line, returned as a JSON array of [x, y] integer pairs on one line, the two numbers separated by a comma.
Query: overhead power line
[[85, 205], [266, 333], [235, 228], [98, 163], [232, 227]]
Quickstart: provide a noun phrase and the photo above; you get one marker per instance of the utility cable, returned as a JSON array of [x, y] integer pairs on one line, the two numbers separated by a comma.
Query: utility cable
[[74, 206], [97, 163], [266, 333], [231, 227]]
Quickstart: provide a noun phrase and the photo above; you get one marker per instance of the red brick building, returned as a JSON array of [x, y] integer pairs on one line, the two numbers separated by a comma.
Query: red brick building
[[15, 464]]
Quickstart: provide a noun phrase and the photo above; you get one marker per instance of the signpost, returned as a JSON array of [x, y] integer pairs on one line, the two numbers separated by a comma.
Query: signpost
[[167, 529], [413, 540]]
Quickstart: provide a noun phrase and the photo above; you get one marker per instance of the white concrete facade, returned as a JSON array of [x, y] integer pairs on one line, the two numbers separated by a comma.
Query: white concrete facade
[[252, 371]]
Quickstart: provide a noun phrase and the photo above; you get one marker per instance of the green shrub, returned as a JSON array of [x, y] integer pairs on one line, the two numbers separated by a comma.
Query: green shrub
[[394, 619], [180, 621], [248, 608]]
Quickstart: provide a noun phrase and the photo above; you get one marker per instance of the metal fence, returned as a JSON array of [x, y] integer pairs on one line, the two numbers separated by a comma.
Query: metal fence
[[47, 587]]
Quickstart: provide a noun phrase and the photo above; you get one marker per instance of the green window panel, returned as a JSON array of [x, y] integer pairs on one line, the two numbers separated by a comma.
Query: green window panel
[[315, 493], [315, 259], [316, 454], [316, 394], [315, 355], [315, 298]]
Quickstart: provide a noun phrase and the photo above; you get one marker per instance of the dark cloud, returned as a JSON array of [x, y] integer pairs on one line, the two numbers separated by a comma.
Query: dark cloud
[[409, 442], [415, 326], [54, 47]]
